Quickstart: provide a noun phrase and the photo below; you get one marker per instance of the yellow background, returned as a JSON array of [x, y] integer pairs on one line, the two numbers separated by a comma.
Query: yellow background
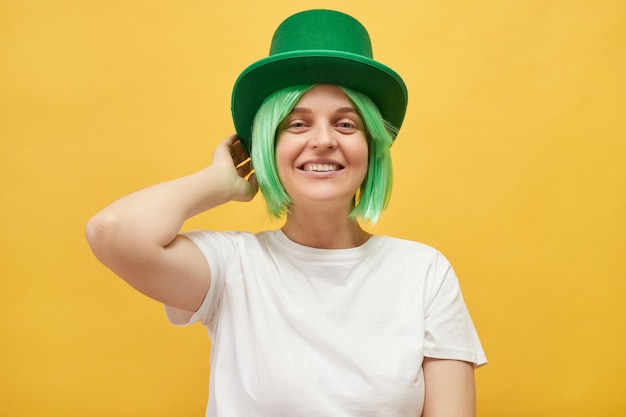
[[511, 162]]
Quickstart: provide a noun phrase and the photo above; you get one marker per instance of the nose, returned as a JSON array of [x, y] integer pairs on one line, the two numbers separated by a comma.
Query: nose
[[323, 138]]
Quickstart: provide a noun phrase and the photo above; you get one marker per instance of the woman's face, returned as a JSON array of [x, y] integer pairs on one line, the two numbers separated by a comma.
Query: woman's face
[[322, 151]]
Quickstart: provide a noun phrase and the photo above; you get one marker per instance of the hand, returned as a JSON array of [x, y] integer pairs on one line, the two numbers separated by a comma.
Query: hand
[[233, 162]]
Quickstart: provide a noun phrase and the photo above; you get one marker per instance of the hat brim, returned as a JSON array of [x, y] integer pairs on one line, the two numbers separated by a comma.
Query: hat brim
[[379, 82]]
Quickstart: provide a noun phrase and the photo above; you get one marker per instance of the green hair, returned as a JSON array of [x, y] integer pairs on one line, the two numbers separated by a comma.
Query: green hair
[[374, 193]]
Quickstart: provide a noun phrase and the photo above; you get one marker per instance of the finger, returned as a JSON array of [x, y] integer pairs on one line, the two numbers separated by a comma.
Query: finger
[[253, 181], [247, 190], [228, 141], [244, 169], [224, 148], [237, 152], [254, 185]]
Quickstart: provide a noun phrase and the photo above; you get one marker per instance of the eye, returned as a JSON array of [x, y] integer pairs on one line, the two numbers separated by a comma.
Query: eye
[[347, 125], [295, 126]]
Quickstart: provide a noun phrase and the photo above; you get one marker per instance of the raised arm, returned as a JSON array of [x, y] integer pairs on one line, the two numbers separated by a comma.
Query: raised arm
[[138, 238]]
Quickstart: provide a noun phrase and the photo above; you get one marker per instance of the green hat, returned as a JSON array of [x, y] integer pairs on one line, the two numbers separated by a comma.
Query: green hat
[[317, 47]]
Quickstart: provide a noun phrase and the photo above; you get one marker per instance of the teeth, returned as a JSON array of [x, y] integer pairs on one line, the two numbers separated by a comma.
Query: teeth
[[320, 167]]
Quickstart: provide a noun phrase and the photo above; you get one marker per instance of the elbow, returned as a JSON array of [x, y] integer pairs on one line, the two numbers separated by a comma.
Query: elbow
[[120, 245], [100, 234]]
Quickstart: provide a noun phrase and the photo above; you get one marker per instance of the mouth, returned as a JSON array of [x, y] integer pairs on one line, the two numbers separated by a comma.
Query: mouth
[[320, 167]]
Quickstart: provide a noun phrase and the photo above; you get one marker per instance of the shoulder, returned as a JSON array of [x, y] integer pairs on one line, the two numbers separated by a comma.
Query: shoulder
[[411, 259], [236, 238], [226, 246], [397, 247]]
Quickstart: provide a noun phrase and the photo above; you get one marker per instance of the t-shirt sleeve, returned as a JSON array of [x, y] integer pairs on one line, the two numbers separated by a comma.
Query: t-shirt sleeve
[[218, 249], [449, 330]]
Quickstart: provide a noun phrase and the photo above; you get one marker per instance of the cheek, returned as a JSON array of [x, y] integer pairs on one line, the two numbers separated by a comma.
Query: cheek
[[361, 154], [285, 155]]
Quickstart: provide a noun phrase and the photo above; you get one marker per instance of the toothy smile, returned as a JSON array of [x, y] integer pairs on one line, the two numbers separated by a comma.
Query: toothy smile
[[321, 167]]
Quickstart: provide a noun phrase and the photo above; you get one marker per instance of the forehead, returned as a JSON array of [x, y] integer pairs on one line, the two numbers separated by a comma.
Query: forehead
[[324, 95]]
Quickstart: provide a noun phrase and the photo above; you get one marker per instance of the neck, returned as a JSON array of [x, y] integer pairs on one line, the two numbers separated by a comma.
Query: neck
[[324, 230]]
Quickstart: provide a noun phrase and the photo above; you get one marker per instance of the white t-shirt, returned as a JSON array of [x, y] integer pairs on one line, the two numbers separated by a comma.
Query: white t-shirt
[[299, 331]]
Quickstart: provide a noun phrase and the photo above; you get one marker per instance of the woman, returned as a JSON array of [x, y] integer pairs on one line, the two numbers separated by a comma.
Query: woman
[[319, 318]]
